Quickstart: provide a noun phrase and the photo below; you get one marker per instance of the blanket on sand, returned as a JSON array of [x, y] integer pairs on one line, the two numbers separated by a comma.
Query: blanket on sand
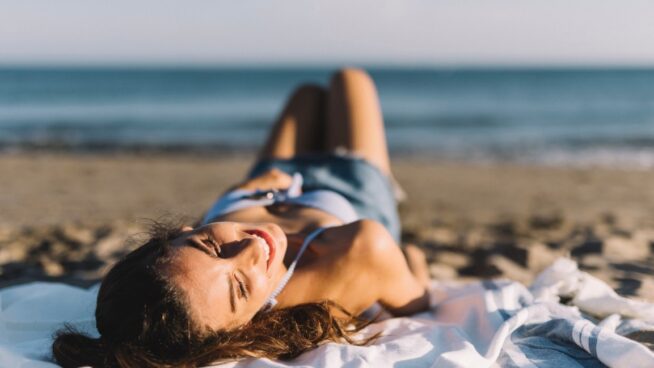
[[481, 324]]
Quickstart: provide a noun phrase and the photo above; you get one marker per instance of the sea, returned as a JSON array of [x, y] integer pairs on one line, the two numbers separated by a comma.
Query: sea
[[561, 117]]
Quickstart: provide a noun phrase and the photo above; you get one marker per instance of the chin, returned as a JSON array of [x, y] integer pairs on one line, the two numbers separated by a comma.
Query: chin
[[278, 268], [278, 262], [279, 235]]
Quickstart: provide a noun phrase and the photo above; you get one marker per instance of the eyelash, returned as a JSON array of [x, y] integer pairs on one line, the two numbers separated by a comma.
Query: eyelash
[[242, 288], [215, 246]]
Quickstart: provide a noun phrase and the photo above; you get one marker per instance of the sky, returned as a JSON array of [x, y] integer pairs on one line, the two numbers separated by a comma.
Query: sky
[[325, 32]]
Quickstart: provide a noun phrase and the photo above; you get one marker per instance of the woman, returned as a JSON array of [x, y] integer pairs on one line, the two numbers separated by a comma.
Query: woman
[[281, 263]]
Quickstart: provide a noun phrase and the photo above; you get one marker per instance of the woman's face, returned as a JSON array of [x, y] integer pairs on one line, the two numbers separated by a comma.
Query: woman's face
[[228, 270]]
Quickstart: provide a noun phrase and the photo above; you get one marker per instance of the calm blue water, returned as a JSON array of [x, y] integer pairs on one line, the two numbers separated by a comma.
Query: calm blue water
[[556, 117]]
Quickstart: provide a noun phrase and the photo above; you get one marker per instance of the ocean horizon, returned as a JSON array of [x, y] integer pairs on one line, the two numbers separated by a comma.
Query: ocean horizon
[[556, 116]]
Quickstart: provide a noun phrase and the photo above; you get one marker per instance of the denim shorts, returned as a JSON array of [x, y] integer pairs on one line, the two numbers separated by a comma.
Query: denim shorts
[[368, 189]]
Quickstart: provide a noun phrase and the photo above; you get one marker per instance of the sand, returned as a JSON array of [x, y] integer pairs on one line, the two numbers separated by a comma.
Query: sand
[[65, 217]]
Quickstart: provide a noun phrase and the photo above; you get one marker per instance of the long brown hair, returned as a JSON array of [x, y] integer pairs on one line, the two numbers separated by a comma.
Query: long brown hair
[[143, 321]]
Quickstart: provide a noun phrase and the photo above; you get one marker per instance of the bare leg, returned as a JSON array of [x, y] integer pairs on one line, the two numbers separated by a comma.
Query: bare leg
[[354, 118], [299, 126]]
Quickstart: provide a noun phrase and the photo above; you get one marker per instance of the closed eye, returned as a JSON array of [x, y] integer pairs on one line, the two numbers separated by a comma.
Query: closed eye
[[242, 289], [215, 246]]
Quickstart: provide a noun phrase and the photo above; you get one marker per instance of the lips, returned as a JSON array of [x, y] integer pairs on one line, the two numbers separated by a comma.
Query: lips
[[269, 242]]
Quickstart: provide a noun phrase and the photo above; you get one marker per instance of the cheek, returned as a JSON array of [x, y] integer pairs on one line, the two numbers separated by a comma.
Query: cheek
[[263, 287]]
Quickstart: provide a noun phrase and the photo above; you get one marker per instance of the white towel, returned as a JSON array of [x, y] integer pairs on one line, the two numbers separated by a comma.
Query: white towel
[[481, 324]]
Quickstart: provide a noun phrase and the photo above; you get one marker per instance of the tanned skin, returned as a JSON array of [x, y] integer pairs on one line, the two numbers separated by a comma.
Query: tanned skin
[[355, 264]]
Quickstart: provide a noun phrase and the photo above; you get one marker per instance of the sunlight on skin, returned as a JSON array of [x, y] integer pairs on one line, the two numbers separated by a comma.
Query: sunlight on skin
[[224, 269]]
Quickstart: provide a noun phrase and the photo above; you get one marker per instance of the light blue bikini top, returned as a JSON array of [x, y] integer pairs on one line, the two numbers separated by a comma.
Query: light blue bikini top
[[325, 200]]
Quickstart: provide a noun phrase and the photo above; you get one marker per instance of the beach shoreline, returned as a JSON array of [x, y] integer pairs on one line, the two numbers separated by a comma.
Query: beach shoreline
[[66, 216]]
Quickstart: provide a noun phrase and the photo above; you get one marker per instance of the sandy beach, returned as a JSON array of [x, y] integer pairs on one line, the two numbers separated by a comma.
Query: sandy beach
[[65, 217]]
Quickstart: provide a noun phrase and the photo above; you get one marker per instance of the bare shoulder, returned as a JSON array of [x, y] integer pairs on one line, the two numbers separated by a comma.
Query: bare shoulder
[[369, 242], [358, 246], [368, 267], [355, 274], [356, 265], [382, 273], [361, 232]]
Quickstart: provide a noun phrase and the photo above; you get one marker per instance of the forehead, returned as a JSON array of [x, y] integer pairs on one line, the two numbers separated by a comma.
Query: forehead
[[205, 281]]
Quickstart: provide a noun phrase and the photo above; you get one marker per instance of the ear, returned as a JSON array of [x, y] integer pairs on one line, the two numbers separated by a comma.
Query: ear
[[186, 228]]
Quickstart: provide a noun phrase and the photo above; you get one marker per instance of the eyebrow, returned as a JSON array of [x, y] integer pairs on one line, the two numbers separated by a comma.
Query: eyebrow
[[232, 297]]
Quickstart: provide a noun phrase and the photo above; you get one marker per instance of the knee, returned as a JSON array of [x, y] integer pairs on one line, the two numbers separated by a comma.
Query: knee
[[308, 92], [350, 75]]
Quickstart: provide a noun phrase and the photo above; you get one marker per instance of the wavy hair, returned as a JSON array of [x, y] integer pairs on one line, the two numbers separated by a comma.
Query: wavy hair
[[143, 321]]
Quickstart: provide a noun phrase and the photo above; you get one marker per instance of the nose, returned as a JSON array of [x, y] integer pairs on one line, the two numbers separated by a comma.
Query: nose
[[252, 254]]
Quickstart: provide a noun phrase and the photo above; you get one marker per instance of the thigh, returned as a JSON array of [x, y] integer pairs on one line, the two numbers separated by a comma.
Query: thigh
[[354, 118], [298, 128]]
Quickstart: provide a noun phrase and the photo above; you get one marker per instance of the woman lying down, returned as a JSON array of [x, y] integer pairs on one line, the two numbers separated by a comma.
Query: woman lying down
[[284, 261]]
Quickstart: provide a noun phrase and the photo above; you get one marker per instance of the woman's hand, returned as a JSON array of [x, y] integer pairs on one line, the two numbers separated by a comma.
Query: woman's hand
[[417, 261], [271, 179]]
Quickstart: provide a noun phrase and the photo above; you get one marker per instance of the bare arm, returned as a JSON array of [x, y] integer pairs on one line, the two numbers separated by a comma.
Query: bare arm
[[396, 288], [369, 268]]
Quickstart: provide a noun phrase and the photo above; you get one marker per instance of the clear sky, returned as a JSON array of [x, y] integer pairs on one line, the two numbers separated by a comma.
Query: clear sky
[[424, 32]]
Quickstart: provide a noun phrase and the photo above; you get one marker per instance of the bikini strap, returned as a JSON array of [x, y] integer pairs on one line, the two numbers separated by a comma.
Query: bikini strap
[[272, 301]]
